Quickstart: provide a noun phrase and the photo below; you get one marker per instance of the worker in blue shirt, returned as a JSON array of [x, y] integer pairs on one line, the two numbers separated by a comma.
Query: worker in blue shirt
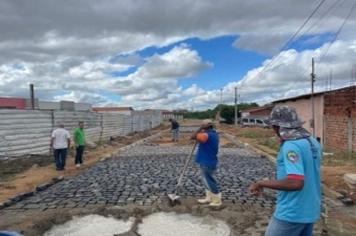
[[298, 177], [207, 159]]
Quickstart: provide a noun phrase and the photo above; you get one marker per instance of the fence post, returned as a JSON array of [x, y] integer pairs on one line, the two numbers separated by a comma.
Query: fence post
[[349, 132], [101, 115]]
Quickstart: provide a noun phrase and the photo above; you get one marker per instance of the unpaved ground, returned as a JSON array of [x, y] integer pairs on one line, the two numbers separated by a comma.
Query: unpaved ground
[[333, 167], [24, 175], [137, 182], [243, 219], [121, 197]]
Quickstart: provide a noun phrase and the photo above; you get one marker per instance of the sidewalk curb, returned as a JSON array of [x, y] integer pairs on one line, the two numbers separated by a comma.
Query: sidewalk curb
[[41, 187]]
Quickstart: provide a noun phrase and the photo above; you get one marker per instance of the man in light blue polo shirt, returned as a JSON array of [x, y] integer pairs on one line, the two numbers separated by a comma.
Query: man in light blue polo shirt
[[298, 177]]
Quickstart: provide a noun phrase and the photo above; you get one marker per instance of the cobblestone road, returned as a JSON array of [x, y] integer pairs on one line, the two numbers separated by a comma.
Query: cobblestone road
[[145, 175]]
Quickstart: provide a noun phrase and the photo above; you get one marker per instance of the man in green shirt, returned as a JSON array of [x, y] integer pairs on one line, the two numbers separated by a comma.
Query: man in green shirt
[[79, 140]]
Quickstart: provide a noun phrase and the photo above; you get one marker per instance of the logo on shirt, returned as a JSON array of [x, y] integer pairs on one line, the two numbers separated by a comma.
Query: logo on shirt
[[292, 156]]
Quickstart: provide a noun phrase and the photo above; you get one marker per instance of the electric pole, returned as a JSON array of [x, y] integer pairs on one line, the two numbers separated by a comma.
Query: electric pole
[[32, 96], [312, 97], [235, 106]]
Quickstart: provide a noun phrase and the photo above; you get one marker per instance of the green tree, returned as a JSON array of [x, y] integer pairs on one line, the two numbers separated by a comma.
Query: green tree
[[226, 111]]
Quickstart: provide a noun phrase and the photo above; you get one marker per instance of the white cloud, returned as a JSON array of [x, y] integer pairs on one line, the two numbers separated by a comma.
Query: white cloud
[[73, 48], [193, 90], [180, 62], [89, 28], [289, 76], [78, 96], [155, 81]]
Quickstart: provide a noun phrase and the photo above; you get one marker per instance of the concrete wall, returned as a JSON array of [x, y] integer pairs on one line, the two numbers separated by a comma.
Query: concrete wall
[[42, 105], [304, 110], [114, 125], [70, 120], [168, 116], [82, 106], [24, 132]]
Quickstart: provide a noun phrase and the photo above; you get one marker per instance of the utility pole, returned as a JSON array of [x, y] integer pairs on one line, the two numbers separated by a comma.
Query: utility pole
[[235, 106], [32, 95], [312, 97]]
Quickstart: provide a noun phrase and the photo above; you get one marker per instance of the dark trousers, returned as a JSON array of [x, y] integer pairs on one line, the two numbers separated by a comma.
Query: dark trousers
[[79, 155], [207, 173], [60, 156]]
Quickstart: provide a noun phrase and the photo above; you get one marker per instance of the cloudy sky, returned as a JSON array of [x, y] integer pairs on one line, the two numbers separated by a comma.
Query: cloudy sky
[[173, 53]]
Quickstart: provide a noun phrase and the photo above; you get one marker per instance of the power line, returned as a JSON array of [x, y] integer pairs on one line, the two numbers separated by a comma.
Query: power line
[[305, 72], [302, 26], [291, 39], [338, 31], [331, 7]]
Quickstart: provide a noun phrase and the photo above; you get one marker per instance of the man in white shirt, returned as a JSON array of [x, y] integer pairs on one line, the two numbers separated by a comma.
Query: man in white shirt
[[60, 142]]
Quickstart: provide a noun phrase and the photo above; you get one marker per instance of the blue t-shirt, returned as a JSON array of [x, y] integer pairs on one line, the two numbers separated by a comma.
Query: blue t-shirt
[[296, 158], [207, 154]]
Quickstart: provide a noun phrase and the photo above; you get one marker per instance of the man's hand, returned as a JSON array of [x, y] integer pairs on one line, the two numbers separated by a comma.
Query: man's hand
[[256, 189], [194, 135]]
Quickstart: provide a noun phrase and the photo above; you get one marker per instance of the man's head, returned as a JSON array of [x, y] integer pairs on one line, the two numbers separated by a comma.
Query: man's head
[[207, 124], [81, 124], [170, 120], [286, 123], [60, 125], [284, 117]]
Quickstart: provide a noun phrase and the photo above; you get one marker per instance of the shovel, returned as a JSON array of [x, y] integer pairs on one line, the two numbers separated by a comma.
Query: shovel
[[174, 196]]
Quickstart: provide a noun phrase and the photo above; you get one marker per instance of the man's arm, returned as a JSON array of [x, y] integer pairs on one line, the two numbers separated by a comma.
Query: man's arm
[[294, 168], [52, 139], [75, 134], [194, 135], [51, 142], [283, 185], [68, 139]]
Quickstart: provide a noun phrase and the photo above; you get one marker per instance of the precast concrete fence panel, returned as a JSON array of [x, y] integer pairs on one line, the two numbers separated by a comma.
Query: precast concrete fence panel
[[25, 132]]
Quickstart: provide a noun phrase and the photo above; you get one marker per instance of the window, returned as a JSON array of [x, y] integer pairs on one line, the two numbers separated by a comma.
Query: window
[[252, 120], [259, 122]]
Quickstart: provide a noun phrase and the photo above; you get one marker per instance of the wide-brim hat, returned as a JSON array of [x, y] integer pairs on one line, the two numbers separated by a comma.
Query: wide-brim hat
[[284, 116]]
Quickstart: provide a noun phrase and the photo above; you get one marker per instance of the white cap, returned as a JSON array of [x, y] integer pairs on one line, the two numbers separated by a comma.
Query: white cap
[[207, 122]]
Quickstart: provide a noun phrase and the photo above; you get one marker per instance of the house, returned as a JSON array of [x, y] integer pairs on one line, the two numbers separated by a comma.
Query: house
[[258, 111], [25, 103], [166, 115], [335, 116], [303, 106], [12, 103], [116, 110]]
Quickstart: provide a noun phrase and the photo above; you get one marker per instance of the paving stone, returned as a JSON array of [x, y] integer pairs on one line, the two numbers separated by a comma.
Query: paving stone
[[145, 175]]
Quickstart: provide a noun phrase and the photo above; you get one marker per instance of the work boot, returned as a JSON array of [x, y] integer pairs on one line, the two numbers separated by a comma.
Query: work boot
[[215, 200], [207, 198]]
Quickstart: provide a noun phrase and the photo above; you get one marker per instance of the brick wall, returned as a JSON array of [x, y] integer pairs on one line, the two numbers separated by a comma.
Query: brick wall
[[339, 108]]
